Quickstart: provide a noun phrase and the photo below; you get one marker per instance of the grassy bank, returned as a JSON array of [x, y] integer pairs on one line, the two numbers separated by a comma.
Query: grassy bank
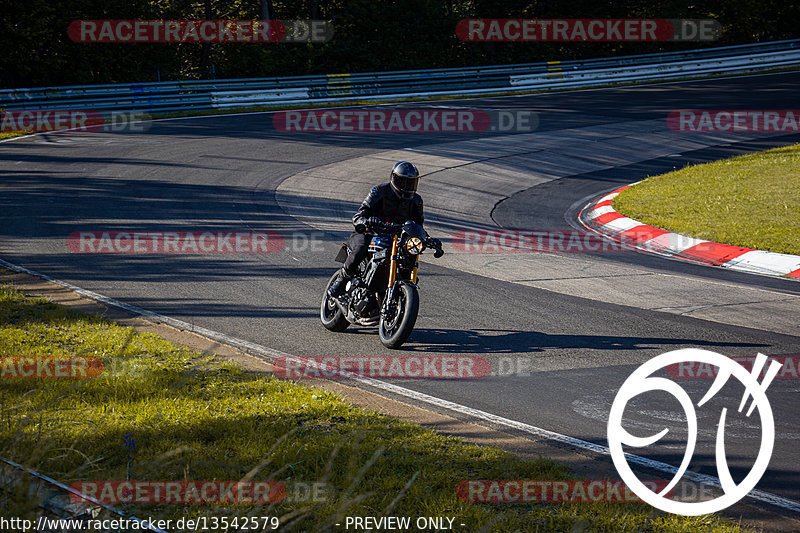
[[750, 200], [10, 134], [193, 417]]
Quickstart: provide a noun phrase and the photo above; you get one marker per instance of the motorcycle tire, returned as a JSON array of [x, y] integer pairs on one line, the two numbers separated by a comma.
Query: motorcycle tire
[[330, 314], [395, 330]]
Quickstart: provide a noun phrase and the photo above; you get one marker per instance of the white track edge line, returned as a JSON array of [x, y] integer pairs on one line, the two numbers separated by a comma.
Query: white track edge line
[[759, 495]]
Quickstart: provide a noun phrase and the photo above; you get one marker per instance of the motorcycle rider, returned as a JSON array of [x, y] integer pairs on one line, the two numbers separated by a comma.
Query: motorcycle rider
[[394, 203]]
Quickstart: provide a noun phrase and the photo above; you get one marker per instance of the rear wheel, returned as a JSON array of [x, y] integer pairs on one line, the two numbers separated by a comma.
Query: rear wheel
[[329, 312], [396, 327]]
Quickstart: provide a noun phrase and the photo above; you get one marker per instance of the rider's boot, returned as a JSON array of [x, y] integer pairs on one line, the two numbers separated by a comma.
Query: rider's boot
[[337, 287]]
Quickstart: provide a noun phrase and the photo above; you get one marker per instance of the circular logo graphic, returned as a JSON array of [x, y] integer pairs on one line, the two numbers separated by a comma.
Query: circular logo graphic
[[642, 381]]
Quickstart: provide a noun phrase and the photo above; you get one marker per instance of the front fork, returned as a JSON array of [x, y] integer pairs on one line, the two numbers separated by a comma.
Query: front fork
[[393, 278]]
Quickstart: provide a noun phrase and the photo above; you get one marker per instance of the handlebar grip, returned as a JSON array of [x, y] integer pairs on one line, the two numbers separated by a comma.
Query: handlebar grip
[[387, 227], [436, 244]]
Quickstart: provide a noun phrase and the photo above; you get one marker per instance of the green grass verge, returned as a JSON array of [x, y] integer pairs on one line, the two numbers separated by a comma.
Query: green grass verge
[[10, 134], [750, 200], [194, 417]]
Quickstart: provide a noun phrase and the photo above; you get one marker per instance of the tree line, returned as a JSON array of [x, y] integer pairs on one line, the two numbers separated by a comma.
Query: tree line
[[369, 35]]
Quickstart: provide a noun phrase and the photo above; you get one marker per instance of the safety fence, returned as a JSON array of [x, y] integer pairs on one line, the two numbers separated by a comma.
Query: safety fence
[[170, 97]]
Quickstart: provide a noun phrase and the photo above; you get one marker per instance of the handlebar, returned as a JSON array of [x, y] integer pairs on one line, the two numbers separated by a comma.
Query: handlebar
[[379, 226], [436, 244], [376, 225]]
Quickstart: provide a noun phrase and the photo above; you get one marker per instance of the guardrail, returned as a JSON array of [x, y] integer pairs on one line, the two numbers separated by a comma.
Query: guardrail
[[170, 97], [53, 499]]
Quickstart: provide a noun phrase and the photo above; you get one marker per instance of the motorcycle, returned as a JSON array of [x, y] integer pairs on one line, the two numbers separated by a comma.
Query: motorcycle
[[384, 292]]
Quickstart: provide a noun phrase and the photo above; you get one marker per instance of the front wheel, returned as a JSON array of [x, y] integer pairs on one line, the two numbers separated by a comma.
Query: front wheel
[[329, 312], [396, 327]]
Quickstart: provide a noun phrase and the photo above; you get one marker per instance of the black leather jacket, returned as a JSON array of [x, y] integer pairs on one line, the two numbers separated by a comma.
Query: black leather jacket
[[382, 202]]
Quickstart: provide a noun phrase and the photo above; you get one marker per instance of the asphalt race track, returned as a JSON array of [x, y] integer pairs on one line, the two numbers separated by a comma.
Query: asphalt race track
[[222, 173]]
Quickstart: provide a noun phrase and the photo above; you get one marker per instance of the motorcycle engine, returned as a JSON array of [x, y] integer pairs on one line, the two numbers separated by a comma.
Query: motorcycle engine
[[364, 301]]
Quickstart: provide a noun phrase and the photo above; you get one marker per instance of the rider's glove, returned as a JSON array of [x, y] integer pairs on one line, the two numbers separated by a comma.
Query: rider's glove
[[437, 246], [375, 223]]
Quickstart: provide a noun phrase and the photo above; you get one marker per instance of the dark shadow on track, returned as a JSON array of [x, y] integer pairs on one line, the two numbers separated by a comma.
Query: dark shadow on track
[[494, 341]]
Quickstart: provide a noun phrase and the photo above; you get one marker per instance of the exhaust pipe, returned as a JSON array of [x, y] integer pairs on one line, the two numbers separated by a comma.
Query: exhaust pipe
[[346, 311]]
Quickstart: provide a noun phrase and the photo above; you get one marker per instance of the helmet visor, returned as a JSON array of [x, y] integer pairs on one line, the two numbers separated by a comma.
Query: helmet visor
[[406, 185]]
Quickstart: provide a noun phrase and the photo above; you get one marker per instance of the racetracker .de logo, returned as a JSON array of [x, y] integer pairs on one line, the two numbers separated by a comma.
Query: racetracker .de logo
[[700, 120], [790, 368], [512, 241], [178, 492], [581, 30], [175, 242], [39, 120], [199, 31], [549, 491], [419, 120], [50, 367], [383, 367]]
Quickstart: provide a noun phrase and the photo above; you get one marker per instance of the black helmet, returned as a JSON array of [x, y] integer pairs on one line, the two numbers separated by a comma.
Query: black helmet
[[404, 179]]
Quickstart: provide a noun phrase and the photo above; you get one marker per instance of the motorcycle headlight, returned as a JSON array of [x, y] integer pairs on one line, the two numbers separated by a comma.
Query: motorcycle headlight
[[414, 245]]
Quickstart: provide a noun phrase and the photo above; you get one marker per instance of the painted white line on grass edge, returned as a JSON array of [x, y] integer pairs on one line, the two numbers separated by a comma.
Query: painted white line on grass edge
[[755, 494]]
